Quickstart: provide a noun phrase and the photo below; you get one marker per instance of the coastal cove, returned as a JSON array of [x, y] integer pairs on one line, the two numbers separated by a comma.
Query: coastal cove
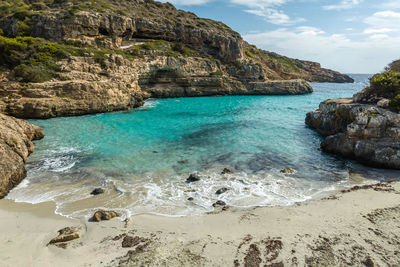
[[142, 157]]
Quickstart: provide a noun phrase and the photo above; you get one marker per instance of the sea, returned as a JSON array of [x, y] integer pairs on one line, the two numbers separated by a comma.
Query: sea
[[142, 157]]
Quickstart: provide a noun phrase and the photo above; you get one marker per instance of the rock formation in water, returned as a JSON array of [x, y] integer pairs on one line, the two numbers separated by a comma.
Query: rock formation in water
[[15, 146], [100, 56], [365, 127]]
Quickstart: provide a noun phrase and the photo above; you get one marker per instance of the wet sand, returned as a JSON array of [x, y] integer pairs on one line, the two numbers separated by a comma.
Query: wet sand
[[353, 228]]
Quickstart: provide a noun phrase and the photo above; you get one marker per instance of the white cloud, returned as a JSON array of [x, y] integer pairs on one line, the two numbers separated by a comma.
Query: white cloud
[[344, 4], [335, 51], [377, 30], [187, 2], [259, 3], [379, 36], [268, 10], [389, 5], [382, 23], [275, 16], [384, 19]]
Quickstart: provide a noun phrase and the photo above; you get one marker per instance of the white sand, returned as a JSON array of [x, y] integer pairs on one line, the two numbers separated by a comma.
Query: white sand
[[342, 231]]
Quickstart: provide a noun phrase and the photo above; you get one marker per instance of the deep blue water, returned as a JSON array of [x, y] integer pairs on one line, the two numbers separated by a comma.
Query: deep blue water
[[142, 157]]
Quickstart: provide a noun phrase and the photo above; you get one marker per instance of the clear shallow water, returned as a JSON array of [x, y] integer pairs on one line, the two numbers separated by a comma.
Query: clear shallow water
[[143, 157]]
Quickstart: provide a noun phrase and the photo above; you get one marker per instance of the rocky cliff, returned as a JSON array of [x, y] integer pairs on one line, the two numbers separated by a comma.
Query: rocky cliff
[[15, 145], [365, 127], [102, 55]]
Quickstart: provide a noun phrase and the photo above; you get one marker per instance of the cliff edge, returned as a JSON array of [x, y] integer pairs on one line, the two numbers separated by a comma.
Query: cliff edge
[[367, 126], [15, 146]]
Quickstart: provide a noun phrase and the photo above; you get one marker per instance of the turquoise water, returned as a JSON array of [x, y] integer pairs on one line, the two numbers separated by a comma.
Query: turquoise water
[[142, 157]]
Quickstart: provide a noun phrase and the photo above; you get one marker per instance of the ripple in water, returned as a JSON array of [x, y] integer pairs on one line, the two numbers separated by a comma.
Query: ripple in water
[[143, 157]]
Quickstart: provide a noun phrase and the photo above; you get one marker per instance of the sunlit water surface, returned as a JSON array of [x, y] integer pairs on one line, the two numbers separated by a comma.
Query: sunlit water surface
[[142, 157]]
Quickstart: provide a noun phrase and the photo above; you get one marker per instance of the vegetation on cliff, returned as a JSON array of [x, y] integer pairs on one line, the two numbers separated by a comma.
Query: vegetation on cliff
[[386, 85], [161, 30]]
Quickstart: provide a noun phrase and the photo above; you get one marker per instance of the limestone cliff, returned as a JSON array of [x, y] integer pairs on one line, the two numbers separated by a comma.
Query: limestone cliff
[[15, 145], [365, 127], [111, 55]]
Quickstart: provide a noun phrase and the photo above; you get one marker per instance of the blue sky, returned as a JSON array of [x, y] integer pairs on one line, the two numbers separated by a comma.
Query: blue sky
[[352, 36]]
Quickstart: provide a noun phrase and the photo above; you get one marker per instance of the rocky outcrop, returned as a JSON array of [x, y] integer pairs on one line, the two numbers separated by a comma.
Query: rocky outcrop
[[364, 132], [119, 83], [15, 146]]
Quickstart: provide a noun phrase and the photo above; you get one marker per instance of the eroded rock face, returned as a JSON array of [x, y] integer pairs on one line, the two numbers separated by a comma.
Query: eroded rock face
[[364, 132], [15, 146], [127, 22], [119, 84]]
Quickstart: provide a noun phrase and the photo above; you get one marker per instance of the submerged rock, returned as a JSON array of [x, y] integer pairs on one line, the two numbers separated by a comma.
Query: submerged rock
[[194, 177], [221, 190], [97, 191], [102, 215], [288, 171], [219, 203], [226, 171], [66, 234]]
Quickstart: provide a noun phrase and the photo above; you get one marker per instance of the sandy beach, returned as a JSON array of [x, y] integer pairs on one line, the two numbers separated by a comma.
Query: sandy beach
[[357, 227]]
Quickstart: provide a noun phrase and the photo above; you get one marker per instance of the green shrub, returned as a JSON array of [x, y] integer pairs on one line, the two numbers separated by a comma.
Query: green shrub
[[394, 103], [248, 53], [386, 84], [76, 43], [217, 73], [36, 74], [23, 29]]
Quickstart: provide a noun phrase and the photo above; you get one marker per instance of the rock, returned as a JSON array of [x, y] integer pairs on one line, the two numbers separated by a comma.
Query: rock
[[66, 234], [221, 191], [383, 103], [97, 191], [369, 262], [102, 215], [190, 199], [226, 171], [219, 203], [194, 177], [288, 171], [364, 132], [15, 146]]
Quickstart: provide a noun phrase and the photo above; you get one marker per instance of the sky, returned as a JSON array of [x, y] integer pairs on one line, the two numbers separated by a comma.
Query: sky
[[350, 36]]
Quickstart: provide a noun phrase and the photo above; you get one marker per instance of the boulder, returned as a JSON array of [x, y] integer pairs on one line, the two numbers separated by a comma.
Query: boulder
[[226, 171], [194, 177], [97, 191], [219, 203], [102, 215], [66, 234], [221, 191], [288, 171]]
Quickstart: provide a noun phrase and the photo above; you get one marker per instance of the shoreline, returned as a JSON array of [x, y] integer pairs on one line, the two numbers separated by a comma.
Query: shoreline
[[316, 233]]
